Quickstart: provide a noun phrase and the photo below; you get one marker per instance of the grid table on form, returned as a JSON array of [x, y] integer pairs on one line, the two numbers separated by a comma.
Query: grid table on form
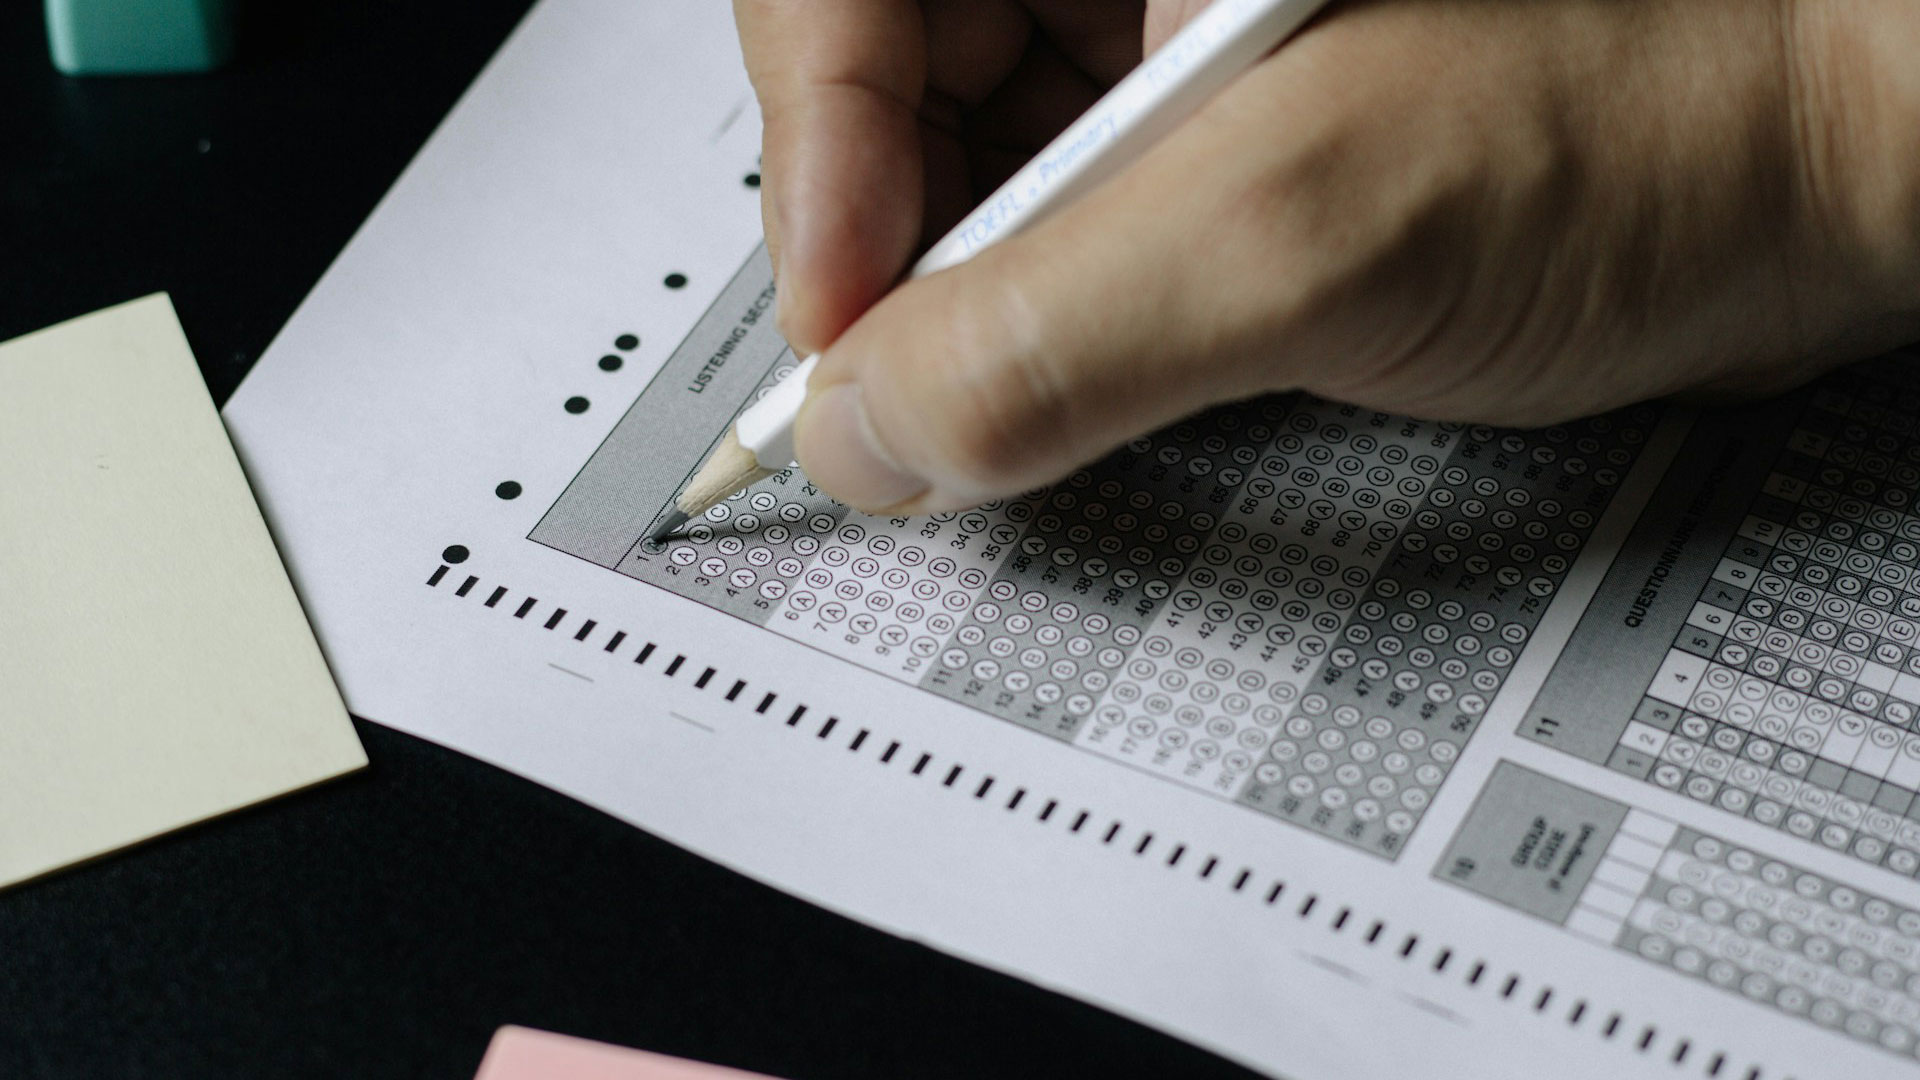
[[1789, 691], [1780, 935]]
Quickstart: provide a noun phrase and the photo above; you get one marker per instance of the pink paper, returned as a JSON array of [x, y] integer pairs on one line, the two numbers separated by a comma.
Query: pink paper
[[518, 1053]]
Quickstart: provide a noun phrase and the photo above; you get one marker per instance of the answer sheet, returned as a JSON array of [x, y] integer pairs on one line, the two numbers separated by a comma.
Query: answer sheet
[[1343, 744]]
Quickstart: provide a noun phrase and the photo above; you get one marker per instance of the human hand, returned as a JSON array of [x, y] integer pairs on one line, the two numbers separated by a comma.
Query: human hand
[[1509, 211]]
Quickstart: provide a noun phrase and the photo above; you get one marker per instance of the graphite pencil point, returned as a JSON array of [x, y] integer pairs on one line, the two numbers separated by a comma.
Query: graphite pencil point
[[668, 526]]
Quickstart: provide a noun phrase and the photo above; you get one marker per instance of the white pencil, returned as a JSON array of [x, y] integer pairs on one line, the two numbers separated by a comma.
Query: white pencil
[[1167, 87]]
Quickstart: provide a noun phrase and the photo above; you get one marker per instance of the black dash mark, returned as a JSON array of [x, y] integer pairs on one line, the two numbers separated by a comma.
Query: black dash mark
[[614, 642], [798, 712], [558, 614], [1440, 962], [921, 765], [1719, 1062], [858, 738], [577, 405], [1018, 794], [1307, 908], [674, 664], [1613, 1025], [455, 553], [645, 651], [1512, 984], [981, 791], [1540, 1003], [437, 575], [1207, 870], [1078, 821], [1179, 851], [765, 704], [1240, 882], [952, 775], [1473, 977], [466, 586], [1340, 920], [1680, 1052], [738, 685], [525, 606], [1141, 847], [705, 678], [1047, 810], [886, 755], [1579, 1010], [585, 629], [1753, 1073], [1112, 831], [1374, 931], [507, 489], [1406, 948], [1646, 1039], [826, 727], [498, 592], [1273, 894]]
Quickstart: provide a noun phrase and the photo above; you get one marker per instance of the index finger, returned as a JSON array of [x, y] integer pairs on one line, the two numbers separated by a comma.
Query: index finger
[[839, 83]]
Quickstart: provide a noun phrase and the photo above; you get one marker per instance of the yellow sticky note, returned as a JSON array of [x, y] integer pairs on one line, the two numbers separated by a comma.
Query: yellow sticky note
[[155, 667]]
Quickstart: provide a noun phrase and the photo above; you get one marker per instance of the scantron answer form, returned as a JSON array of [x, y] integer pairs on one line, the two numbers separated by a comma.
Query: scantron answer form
[[1341, 743]]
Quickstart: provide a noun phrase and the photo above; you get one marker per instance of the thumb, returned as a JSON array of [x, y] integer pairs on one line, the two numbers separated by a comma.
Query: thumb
[[1011, 370]]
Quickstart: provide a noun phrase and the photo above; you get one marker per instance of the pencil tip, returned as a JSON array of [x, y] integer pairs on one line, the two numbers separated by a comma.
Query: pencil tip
[[668, 526]]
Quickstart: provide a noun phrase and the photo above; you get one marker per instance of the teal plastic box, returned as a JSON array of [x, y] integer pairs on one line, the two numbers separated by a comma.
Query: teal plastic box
[[139, 37]]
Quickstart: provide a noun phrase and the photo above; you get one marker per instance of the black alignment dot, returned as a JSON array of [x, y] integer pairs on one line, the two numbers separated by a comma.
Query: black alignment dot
[[455, 553], [508, 489], [753, 179], [676, 281], [627, 342], [610, 362], [576, 405]]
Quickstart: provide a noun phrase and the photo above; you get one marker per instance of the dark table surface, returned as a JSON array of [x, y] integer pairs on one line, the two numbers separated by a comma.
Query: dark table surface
[[386, 924]]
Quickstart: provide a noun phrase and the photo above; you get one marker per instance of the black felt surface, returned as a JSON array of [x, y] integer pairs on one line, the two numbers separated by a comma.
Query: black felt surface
[[386, 924]]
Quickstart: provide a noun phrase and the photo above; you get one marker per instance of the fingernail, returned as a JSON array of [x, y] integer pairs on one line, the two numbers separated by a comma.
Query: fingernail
[[837, 445], [788, 300], [784, 300], [783, 309]]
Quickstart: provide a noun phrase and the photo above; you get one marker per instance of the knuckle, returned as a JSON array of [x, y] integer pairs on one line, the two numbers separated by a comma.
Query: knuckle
[[1364, 221]]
